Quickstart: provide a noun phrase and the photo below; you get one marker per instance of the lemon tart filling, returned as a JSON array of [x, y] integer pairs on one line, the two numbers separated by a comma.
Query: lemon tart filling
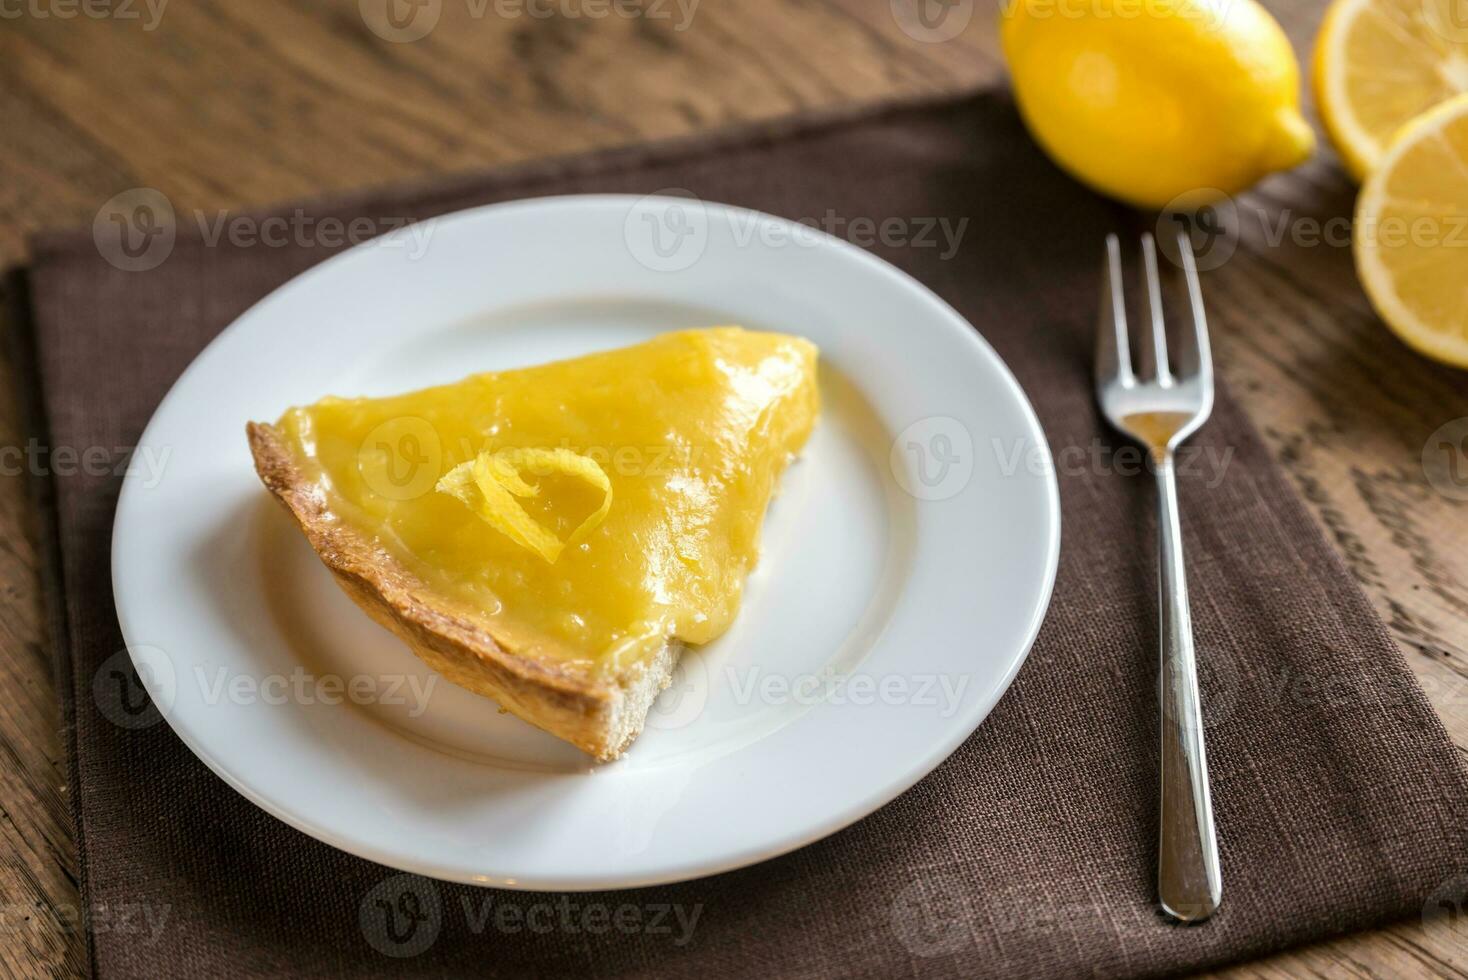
[[588, 510]]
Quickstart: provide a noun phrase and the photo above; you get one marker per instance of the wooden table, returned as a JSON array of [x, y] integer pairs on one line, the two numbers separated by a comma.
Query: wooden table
[[220, 105]]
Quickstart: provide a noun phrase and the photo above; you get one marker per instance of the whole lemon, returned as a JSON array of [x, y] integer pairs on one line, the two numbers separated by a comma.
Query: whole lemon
[[1151, 100]]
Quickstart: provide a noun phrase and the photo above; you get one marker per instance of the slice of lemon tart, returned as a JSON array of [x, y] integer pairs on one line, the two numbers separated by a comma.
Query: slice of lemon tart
[[551, 537]]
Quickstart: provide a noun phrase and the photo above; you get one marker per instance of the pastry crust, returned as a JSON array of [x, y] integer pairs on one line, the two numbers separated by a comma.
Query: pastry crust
[[599, 716]]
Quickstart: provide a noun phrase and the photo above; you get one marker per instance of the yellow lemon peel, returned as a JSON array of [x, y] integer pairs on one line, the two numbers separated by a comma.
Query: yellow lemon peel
[[489, 484], [1161, 100]]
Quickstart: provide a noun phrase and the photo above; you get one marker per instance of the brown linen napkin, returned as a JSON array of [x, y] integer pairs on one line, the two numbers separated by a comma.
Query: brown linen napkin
[[1028, 853]]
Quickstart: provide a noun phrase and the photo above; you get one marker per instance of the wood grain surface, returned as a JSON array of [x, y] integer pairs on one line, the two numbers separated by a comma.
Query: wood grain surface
[[219, 104]]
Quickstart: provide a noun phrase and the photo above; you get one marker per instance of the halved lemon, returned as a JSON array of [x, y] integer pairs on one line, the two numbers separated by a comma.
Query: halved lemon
[[1379, 63], [1411, 233]]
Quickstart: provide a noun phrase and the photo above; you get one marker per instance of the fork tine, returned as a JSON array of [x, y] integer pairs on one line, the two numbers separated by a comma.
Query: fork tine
[[1194, 357], [1113, 355], [1158, 358]]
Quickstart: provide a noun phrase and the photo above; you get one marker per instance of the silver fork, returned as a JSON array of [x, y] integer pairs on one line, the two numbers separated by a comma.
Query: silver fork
[[1159, 408]]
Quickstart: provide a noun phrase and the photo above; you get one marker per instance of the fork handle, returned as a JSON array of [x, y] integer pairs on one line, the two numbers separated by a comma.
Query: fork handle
[[1189, 884]]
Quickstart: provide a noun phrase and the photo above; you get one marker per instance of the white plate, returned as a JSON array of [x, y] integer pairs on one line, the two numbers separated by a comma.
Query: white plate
[[907, 563]]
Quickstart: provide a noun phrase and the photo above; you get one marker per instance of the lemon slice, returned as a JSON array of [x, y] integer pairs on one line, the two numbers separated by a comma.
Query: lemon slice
[[1411, 234], [1378, 64]]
